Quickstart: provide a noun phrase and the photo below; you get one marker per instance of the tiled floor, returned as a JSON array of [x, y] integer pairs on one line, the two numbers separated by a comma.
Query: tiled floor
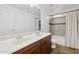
[[63, 50]]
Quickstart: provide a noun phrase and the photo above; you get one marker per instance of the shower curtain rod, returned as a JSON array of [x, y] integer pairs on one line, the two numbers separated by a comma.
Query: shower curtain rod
[[64, 12]]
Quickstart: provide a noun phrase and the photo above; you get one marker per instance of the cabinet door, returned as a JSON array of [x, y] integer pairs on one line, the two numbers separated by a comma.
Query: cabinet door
[[36, 50], [46, 45]]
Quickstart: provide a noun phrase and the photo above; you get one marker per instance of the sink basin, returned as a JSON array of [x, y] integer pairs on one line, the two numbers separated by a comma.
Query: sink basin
[[5, 45], [19, 36]]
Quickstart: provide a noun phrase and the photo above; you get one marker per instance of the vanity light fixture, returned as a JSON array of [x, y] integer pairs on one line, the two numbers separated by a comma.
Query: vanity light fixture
[[32, 5]]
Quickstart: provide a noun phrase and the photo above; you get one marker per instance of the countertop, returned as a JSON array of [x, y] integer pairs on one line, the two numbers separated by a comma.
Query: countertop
[[12, 45]]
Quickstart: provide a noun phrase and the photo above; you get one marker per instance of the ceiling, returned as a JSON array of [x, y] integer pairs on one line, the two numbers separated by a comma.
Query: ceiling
[[26, 7], [56, 8], [50, 8], [35, 10]]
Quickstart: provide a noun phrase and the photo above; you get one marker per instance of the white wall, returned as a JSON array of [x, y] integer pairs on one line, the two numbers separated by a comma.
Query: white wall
[[56, 8], [59, 8], [13, 20], [44, 21]]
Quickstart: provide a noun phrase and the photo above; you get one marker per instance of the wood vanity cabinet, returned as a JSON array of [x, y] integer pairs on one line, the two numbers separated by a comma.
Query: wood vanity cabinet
[[30, 49], [43, 46], [46, 45]]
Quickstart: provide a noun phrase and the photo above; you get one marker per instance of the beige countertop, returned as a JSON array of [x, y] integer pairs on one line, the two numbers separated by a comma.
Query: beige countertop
[[12, 45]]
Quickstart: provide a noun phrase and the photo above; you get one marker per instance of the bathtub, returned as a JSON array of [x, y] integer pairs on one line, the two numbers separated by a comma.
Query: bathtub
[[11, 43], [57, 39]]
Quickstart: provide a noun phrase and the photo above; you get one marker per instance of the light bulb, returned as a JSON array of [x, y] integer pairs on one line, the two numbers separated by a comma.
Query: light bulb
[[32, 5]]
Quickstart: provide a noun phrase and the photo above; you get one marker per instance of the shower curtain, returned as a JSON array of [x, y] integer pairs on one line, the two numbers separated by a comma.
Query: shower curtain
[[71, 29]]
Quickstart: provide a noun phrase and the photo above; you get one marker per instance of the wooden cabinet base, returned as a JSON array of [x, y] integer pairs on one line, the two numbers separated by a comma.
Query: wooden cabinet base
[[43, 46]]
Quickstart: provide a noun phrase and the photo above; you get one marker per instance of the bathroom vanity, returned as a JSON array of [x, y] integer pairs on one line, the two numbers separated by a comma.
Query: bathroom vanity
[[42, 46], [24, 43]]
